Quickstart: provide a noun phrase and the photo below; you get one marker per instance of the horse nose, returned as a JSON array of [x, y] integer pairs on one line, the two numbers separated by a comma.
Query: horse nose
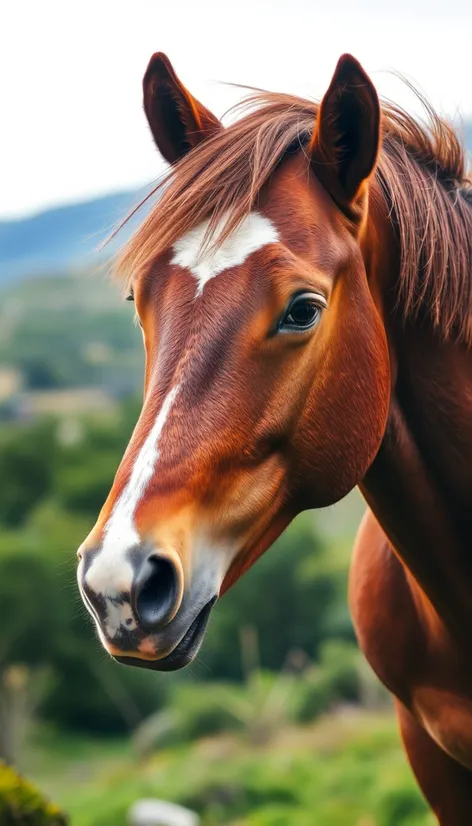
[[156, 592]]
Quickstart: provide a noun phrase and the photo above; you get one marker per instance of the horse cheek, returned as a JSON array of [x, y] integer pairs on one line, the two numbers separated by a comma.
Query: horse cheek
[[345, 419]]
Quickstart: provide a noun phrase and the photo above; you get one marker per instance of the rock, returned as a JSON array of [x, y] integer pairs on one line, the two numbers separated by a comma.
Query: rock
[[153, 812]]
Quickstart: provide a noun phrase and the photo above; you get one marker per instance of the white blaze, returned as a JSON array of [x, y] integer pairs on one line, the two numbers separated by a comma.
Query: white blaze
[[110, 572], [254, 232]]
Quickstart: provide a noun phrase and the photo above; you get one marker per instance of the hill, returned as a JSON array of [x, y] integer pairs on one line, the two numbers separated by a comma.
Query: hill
[[64, 238]]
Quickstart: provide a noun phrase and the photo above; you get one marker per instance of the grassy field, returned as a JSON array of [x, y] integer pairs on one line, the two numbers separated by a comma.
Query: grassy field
[[347, 769]]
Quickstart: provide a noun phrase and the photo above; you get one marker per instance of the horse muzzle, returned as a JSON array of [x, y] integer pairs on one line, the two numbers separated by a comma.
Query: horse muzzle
[[144, 614]]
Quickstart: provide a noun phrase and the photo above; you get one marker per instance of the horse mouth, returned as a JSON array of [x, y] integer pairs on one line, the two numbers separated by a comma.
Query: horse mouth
[[185, 650]]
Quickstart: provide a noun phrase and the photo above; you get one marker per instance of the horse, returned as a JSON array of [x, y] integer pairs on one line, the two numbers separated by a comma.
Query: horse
[[304, 289]]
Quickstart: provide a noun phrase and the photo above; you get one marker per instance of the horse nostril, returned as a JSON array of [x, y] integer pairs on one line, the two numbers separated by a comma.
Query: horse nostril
[[155, 593]]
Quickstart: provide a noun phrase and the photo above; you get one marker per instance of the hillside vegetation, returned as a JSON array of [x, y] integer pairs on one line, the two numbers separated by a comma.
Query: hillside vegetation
[[69, 332]]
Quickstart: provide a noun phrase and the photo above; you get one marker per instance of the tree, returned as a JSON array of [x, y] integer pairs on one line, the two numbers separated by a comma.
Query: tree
[[27, 467]]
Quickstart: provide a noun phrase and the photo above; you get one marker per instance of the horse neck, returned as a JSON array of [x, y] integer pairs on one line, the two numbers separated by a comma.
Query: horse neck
[[420, 484]]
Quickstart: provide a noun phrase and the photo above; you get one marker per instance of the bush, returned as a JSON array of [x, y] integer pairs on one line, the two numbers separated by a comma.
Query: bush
[[335, 679], [257, 710], [203, 710], [401, 805], [27, 466], [22, 805], [194, 710]]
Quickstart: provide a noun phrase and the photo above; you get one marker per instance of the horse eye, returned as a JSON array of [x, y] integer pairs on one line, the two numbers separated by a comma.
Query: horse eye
[[303, 313]]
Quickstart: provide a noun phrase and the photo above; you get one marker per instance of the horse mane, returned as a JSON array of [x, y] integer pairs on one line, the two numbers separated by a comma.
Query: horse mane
[[421, 172]]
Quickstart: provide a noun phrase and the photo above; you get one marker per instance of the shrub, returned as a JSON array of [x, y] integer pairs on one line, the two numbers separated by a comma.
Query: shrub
[[203, 710], [335, 679], [194, 710], [27, 460], [401, 805], [22, 805], [257, 709]]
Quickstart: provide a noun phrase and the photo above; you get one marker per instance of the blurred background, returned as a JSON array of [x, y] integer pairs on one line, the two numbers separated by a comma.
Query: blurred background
[[279, 722]]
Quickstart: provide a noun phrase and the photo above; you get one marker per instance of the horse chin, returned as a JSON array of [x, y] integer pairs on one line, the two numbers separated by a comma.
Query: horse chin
[[184, 652]]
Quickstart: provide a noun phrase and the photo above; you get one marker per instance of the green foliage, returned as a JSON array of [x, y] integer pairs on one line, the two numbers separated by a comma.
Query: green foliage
[[401, 805], [335, 677], [264, 706], [22, 805], [257, 709], [78, 489], [27, 467], [398, 802], [70, 332], [278, 816], [201, 711], [344, 770], [21, 692], [86, 469], [193, 710]]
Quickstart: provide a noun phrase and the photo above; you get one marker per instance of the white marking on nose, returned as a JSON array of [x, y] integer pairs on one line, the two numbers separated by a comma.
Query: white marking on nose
[[254, 232], [117, 616], [111, 573]]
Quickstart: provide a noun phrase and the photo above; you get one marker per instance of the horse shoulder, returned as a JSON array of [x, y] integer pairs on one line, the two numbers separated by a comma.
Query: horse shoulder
[[407, 645], [383, 610]]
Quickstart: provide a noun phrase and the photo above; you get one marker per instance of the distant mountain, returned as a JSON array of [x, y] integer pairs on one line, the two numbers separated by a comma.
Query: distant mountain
[[69, 237], [64, 238]]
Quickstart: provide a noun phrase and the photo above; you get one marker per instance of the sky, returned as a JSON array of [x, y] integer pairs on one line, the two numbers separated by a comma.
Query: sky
[[72, 125]]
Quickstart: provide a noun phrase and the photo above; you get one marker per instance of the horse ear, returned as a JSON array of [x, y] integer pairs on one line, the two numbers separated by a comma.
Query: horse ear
[[177, 120], [346, 138]]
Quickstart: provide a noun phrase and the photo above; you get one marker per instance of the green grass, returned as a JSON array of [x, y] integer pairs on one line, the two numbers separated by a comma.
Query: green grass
[[346, 770]]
